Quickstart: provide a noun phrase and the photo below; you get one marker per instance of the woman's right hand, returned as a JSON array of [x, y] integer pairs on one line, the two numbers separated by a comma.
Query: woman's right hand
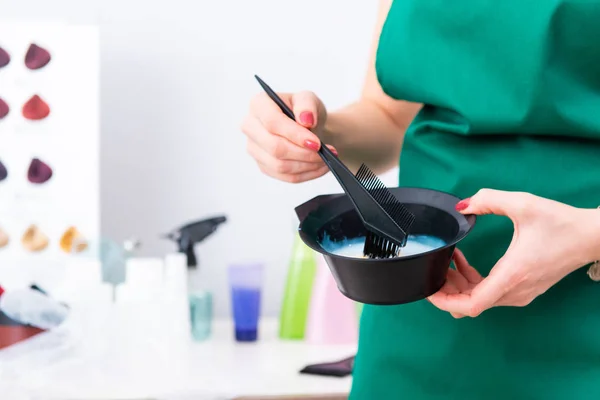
[[286, 149]]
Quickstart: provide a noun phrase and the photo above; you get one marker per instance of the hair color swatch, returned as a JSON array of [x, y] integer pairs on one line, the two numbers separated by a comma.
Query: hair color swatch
[[3, 172], [39, 172], [4, 239], [36, 108], [48, 191], [4, 109], [37, 57], [72, 241], [34, 239], [4, 58]]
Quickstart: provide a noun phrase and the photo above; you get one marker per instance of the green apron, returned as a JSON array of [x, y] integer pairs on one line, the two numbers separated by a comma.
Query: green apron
[[511, 94]]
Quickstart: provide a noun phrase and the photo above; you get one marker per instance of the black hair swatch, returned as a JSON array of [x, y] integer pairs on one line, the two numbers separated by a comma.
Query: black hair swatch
[[3, 172]]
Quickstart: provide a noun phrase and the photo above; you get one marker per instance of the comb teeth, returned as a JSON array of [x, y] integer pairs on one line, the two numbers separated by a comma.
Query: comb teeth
[[385, 198]]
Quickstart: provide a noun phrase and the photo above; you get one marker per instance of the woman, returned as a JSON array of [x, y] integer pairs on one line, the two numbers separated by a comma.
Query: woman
[[477, 94]]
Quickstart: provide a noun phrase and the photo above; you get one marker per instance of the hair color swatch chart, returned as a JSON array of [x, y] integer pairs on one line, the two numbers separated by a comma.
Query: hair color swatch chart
[[49, 144]]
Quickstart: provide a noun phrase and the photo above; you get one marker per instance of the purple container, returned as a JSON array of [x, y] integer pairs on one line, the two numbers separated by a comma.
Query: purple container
[[245, 281]]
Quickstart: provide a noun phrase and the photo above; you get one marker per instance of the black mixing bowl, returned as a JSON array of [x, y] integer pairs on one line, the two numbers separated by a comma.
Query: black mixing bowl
[[393, 280]]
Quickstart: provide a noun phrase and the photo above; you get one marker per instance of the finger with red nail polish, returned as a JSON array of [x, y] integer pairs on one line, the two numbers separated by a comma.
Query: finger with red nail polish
[[463, 204], [283, 148]]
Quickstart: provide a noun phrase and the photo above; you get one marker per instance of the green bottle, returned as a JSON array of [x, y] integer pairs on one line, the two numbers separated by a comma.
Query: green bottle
[[359, 308], [296, 300]]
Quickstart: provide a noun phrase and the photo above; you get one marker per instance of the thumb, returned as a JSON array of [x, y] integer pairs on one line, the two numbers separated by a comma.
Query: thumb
[[306, 108], [490, 201], [483, 297], [491, 289]]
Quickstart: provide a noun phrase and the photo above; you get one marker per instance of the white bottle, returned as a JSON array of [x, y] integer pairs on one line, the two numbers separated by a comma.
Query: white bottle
[[30, 307]]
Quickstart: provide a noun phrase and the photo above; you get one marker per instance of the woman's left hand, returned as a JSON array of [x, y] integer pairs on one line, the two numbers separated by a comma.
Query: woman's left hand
[[550, 241]]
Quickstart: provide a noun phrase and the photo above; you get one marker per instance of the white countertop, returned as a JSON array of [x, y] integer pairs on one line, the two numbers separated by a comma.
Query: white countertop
[[141, 348], [124, 363]]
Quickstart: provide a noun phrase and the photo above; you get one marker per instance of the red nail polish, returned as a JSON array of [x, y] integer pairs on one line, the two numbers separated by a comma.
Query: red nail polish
[[309, 144], [463, 204], [307, 119]]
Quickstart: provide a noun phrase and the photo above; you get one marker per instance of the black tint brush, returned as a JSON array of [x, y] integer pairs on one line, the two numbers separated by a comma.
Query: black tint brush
[[386, 219]]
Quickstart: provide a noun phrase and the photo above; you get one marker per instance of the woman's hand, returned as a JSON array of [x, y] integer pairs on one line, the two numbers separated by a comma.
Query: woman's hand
[[284, 149], [550, 240]]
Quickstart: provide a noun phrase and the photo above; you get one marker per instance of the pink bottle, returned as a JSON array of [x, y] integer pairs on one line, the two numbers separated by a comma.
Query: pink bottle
[[332, 316]]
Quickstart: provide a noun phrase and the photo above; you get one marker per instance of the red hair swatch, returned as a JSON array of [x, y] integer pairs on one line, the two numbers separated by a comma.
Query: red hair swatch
[[4, 58], [36, 108], [4, 109], [39, 172], [37, 57]]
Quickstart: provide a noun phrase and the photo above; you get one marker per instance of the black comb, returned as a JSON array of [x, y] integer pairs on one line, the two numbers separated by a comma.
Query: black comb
[[375, 245], [386, 219]]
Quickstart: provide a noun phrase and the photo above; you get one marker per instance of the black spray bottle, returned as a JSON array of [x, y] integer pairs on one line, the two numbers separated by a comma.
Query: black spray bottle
[[182, 271], [193, 233]]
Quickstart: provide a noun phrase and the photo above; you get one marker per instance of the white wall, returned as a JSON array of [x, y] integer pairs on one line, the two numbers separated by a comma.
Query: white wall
[[176, 78]]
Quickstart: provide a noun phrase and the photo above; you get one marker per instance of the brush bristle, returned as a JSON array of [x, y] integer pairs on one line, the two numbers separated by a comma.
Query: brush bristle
[[378, 247]]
